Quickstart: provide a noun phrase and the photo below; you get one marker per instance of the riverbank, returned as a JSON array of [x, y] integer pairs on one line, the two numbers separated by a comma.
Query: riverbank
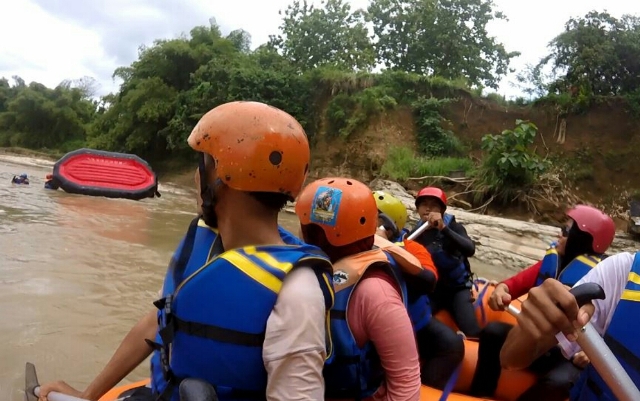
[[511, 244]]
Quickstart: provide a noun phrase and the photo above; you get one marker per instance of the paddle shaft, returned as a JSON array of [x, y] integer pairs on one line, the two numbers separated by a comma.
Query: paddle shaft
[[54, 396], [419, 231], [603, 360]]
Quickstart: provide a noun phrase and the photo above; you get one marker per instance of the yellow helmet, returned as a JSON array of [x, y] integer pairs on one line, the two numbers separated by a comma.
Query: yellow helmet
[[392, 207]]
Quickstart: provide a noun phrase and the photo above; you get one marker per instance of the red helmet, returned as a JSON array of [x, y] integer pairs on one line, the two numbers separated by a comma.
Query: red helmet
[[434, 193], [595, 222]]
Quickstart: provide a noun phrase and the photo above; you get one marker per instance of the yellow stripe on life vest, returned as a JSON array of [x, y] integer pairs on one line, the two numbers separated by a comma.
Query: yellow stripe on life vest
[[330, 287], [634, 278], [202, 224], [631, 295], [268, 259], [587, 261], [252, 270]]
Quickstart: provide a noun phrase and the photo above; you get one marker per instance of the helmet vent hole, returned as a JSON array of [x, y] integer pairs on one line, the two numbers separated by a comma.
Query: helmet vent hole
[[331, 182], [275, 158], [349, 183], [363, 220]]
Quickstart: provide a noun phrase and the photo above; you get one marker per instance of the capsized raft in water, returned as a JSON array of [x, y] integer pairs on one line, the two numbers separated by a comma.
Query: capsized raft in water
[[109, 174]]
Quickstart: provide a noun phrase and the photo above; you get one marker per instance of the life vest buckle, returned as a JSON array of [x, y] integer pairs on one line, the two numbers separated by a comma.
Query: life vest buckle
[[167, 305]]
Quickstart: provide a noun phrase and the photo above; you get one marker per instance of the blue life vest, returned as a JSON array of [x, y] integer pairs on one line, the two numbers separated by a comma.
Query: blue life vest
[[401, 236], [572, 273], [354, 372], [228, 344], [452, 269], [621, 339]]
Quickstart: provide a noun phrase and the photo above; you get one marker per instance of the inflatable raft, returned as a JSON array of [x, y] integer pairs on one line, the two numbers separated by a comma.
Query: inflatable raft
[[99, 173], [510, 385], [482, 291]]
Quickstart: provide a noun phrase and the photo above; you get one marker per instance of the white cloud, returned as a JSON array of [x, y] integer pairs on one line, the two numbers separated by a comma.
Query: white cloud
[[52, 40]]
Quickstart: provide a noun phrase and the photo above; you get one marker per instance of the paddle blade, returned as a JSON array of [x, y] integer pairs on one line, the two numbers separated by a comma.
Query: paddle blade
[[197, 390], [30, 382]]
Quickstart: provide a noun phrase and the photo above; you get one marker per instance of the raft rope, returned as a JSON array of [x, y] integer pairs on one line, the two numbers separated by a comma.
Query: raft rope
[[448, 388], [478, 302]]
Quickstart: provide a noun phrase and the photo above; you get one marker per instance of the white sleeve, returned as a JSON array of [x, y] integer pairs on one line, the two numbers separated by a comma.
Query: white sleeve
[[611, 274], [295, 343]]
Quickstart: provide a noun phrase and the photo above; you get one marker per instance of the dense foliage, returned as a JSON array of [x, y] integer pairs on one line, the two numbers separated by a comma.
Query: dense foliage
[[318, 67]]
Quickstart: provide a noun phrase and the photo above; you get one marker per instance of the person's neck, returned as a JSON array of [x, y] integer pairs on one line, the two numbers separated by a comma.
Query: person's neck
[[240, 229]]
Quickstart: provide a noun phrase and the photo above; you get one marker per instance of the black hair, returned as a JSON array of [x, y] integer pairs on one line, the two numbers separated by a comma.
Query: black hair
[[271, 200]]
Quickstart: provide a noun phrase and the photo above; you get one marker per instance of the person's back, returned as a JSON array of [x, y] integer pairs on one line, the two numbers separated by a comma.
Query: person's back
[[250, 320], [375, 354]]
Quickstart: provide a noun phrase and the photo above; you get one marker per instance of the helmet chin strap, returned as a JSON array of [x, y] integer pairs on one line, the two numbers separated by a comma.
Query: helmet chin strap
[[207, 193]]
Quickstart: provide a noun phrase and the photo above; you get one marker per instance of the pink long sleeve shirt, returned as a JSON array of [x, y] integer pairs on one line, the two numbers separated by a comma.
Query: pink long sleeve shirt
[[376, 313]]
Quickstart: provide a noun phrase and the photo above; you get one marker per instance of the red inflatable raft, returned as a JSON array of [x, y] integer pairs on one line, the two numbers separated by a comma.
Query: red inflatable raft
[[99, 173]]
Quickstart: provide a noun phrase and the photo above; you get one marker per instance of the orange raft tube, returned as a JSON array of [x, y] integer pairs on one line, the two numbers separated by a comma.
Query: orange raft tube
[[511, 383], [510, 386]]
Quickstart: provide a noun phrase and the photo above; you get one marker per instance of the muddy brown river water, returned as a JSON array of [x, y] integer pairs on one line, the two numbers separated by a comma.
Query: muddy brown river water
[[77, 272]]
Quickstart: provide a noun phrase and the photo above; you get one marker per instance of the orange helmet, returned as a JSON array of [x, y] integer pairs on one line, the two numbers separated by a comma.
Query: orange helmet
[[256, 147], [595, 222], [342, 207]]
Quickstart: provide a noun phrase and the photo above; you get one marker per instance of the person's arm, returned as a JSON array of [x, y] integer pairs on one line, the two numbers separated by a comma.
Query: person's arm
[[294, 347], [457, 234], [521, 283], [132, 352], [387, 325], [430, 274], [542, 324]]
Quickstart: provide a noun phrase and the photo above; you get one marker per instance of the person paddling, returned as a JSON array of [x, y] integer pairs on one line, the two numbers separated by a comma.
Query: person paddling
[[550, 316], [262, 331], [450, 247], [581, 245]]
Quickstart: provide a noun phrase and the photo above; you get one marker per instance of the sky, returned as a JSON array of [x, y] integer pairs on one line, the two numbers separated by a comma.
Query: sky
[[48, 41]]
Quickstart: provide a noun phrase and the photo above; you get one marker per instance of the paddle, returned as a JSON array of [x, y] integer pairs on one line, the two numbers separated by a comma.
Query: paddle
[[197, 390], [190, 389], [419, 231], [32, 387], [593, 345]]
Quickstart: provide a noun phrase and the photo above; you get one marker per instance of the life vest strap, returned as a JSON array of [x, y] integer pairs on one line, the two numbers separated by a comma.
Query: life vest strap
[[217, 333], [228, 393], [338, 314]]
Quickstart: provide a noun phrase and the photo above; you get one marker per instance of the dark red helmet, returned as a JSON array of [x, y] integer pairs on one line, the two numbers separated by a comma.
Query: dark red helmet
[[434, 193], [595, 222]]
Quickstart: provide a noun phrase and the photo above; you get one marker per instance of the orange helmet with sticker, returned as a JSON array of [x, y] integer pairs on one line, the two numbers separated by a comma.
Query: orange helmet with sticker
[[256, 147], [342, 207]]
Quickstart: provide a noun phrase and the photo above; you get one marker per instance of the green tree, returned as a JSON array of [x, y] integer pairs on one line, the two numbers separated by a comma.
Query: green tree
[[331, 35], [35, 116], [597, 54], [446, 38]]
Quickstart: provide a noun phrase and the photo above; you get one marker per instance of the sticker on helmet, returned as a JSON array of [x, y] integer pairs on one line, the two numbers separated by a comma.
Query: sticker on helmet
[[340, 277], [324, 209]]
